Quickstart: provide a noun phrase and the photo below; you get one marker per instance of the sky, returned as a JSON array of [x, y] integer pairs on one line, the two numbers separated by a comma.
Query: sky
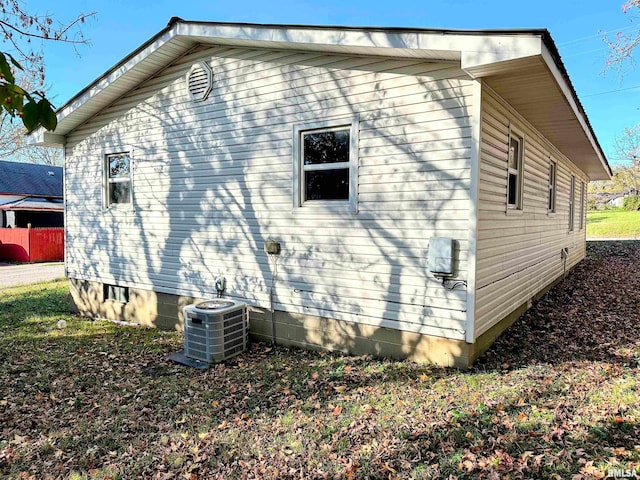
[[611, 99]]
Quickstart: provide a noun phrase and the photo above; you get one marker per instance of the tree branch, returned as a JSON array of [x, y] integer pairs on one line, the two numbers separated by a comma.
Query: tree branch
[[58, 37]]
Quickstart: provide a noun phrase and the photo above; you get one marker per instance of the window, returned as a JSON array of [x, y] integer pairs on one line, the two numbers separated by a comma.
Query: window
[[582, 204], [551, 205], [572, 201], [115, 293], [514, 181], [325, 164], [118, 178]]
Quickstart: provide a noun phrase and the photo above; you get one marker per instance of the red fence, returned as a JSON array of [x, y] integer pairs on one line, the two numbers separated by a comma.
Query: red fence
[[32, 244]]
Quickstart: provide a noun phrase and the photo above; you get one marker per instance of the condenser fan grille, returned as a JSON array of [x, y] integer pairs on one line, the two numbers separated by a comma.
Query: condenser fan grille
[[214, 304]]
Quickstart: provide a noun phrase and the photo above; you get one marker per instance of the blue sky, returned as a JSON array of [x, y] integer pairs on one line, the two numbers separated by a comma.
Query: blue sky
[[611, 101]]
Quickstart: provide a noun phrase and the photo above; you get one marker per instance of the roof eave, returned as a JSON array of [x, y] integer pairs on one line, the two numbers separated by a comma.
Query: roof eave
[[475, 49], [554, 62]]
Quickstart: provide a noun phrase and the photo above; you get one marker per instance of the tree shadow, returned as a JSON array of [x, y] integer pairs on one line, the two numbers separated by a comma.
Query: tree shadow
[[213, 181]]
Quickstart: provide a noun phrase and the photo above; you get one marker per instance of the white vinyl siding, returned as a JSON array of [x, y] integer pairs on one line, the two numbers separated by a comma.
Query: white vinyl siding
[[214, 180], [519, 255]]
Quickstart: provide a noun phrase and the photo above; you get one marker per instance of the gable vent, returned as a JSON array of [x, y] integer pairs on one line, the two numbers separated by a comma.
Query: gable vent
[[199, 82]]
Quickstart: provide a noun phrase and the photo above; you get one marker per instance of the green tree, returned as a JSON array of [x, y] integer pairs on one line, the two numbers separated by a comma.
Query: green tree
[[627, 148], [13, 143], [24, 33]]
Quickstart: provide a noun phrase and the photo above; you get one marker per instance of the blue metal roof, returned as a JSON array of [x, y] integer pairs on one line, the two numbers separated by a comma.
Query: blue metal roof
[[30, 179]]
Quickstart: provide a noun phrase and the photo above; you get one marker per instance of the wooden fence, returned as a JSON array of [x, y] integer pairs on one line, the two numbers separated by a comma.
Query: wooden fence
[[32, 244]]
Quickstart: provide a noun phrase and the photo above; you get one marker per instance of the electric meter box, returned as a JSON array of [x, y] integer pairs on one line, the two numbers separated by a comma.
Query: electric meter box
[[441, 256]]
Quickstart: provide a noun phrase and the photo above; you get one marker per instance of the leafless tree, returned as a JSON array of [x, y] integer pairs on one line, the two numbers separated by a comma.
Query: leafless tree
[[23, 102], [623, 44], [24, 33], [14, 146]]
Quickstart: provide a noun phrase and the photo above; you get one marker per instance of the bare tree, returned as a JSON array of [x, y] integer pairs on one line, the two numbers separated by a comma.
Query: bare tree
[[23, 102], [622, 46], [13, 144], [25, 32]]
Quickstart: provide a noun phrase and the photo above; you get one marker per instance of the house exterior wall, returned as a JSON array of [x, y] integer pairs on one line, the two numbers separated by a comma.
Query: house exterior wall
[[7, 219], [213, 180], [519, 252]]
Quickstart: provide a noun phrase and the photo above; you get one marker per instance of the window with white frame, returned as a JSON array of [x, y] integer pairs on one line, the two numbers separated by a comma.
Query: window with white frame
[[572, 202], [514, 180], [118, 178], [551, 203], [325, 165], [582, 204]]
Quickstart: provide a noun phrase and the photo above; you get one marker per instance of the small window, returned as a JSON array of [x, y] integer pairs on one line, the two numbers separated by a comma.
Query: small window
[[582, 204], [551, 204], [514, 182], [115, 293], [572, 201], [118, 178], [325, 163]]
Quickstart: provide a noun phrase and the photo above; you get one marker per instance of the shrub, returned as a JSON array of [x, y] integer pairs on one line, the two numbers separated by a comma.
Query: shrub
[[632, 202]]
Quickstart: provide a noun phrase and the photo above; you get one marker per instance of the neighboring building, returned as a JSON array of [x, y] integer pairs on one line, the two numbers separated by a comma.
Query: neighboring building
[[356, 149], [31, 194], [617, 201]]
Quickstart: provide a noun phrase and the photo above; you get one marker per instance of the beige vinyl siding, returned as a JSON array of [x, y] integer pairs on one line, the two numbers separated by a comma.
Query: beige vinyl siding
[[519, 253], [213, 180]]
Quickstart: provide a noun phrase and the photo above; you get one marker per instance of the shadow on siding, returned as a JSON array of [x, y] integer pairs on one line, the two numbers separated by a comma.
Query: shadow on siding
[[206, 199]]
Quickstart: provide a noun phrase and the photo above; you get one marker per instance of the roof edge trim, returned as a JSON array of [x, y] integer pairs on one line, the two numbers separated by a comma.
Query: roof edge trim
[[178, 27]]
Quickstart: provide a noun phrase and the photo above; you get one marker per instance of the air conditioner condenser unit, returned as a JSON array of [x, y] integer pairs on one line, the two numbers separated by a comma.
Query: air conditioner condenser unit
[[215, 330]]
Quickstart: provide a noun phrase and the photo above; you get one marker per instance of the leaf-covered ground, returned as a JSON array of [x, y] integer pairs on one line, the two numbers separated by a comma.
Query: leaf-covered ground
[[556, 397]]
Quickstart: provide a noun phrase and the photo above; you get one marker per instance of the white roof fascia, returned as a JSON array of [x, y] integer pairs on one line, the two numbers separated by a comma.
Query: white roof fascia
[[446, 45], [479, 53], [479, 47], [476, 60], [104, 82], [42, 138]]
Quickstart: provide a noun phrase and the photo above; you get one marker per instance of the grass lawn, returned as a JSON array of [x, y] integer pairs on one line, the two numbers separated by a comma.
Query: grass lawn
[[556, 397], [613, 224]]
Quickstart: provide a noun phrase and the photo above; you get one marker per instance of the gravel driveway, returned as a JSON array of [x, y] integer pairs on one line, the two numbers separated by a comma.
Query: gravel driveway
[[11, 274]]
